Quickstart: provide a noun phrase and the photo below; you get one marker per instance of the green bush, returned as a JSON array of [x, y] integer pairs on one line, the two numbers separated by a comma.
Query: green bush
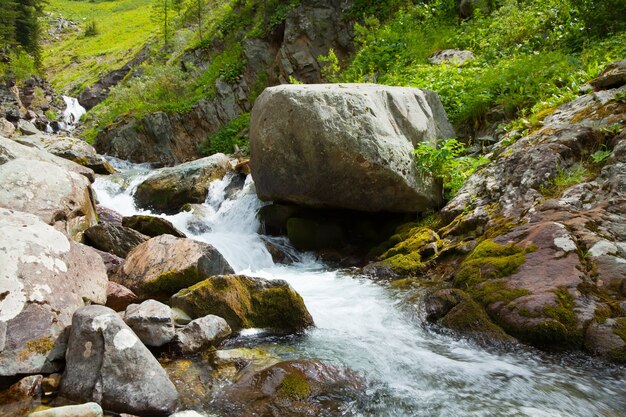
[[234, 133], [21, 65]]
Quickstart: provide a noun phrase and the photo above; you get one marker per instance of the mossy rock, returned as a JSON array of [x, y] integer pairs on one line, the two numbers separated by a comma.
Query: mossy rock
[[246, 302], [151, 226], [471, 320]]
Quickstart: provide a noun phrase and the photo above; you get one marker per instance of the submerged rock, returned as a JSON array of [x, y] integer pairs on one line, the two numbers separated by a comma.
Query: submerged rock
[[166, 264], [107, 363], [151, 321], [168, 189], [44, 278], [345, 146], [290, 389], [246, 302]]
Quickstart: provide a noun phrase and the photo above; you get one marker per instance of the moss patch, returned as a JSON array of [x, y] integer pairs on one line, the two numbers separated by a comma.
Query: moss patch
[[410, 264], [295, 386], [496, 291], [170, 282], [469, 317]]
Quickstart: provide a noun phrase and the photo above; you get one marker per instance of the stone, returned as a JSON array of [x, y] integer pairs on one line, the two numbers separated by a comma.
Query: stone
[[51, 383], [290, 389], [246, 302], [119, 297], [73, 149], [58, 197], [168, 189], [7, 129], [45, 277], [106, 215], [20, 398], [180, 317], [118, 240], [451, 56], [27, 128], [602, 339], [166, 264], [613, 76], [151, 321], [201, 333], [82, 410], [187, 413], [113, 263], [152, 226], [347, 146], [10, 149], [107, 363]]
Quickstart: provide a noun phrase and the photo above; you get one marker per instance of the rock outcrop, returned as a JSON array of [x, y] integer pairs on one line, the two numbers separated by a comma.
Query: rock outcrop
[[166, 264], [44, 278], [345, 146], [246, 302], [107, 363], [168, 189]]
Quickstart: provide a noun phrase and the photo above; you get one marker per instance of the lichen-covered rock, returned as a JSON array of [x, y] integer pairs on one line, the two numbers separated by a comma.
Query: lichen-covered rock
[[58, 197], [107, 363], [345, 146], [290, 389], [82, 410], [152, 226], [201, 333], [7, 129], [451, 56], [166, 264], [151, 321], [44, 277], [73, 149], [168, 189], [118, 240], [246, 302]]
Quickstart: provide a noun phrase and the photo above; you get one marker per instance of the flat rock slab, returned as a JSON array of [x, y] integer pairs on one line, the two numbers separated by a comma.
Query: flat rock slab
[[345, 146]]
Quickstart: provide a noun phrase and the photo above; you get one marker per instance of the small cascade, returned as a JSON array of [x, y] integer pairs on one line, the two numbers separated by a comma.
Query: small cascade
[[73, 112]]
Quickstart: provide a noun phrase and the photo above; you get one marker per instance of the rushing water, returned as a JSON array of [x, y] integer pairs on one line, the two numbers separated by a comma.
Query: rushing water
[[409, 370]]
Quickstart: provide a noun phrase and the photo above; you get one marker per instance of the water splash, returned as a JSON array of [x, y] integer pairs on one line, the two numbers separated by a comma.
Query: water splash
[[72, 113]]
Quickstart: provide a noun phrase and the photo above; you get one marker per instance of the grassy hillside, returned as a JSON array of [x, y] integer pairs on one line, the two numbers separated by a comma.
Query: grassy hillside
[[123, 28]]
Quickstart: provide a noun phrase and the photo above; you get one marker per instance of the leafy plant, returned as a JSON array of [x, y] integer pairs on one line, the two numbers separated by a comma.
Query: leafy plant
[[331, 68], [447, 161], [91, 29], [233, 135], [600, 156]]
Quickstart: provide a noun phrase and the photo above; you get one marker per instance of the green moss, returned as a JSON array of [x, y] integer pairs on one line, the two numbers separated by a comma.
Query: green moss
[[563, 312], [469, 317], [416, 239], [406, 283], [602, 313], [490, 260], [170, 282], [295, 386], [490, 292], [405, 264]]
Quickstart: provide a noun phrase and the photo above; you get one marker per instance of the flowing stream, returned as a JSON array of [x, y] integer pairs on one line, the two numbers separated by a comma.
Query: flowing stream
[[409, 370]]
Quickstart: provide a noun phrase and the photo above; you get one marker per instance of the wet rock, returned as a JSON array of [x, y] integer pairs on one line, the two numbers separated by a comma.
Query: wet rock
[[166, 264], [7, 129], [187, 413], [152, 226], [106, 215], [365, 157], [451, 56], [83, 410], [292, 388], [44, 278], [607, 339], [151, 321], [57, 196], [19, 399], [119, 297], [168, 189], [10, 149], [118, 240], [107, 363], [73, 149], [232, 364], [201, 333], [246, 302]]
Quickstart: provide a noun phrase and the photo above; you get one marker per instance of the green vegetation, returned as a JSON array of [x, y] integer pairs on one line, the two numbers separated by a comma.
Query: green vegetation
[[565, 178], [531, 55], [233, 134], [446, 161]]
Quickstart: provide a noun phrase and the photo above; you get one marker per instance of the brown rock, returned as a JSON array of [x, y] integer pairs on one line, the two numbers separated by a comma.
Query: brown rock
[[119, 297]]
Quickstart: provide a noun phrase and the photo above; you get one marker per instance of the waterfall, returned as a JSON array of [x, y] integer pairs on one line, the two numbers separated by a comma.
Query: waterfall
[[72, 113]]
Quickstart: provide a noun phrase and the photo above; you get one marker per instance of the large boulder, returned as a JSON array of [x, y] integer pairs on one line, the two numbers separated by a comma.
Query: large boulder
[[70, 148], [44, 278], [166, 264], [58, 197], [108, 364], [115, 239], [345, 146], [168, 189], [246, 302]]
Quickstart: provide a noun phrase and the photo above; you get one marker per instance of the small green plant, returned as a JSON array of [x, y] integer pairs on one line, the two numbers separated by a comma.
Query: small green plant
[[447, 161], [564, 179], [22, 65], [331, 69], [600, 156], [621, 97], [91, 29], [51, 115], [234, 135], [294, 80]]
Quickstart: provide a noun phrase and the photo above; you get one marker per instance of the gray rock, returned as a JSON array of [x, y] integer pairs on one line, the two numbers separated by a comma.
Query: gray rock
[[58, 197], [107, 363], [601, 339], [151, 321], [612, 77], [44, 278], [152, 226], [7, 128], [168, 189], [166, 264], [345, 146], [201, 333], [81, 410], [27, 128], [118, 240], [451, 56], [180, 317]]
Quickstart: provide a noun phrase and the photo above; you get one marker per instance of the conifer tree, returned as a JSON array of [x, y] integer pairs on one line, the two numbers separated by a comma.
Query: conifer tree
[[8, 14], [27, 27]]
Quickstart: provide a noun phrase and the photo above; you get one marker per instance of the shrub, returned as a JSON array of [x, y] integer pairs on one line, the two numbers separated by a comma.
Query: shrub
[[234, 133]]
